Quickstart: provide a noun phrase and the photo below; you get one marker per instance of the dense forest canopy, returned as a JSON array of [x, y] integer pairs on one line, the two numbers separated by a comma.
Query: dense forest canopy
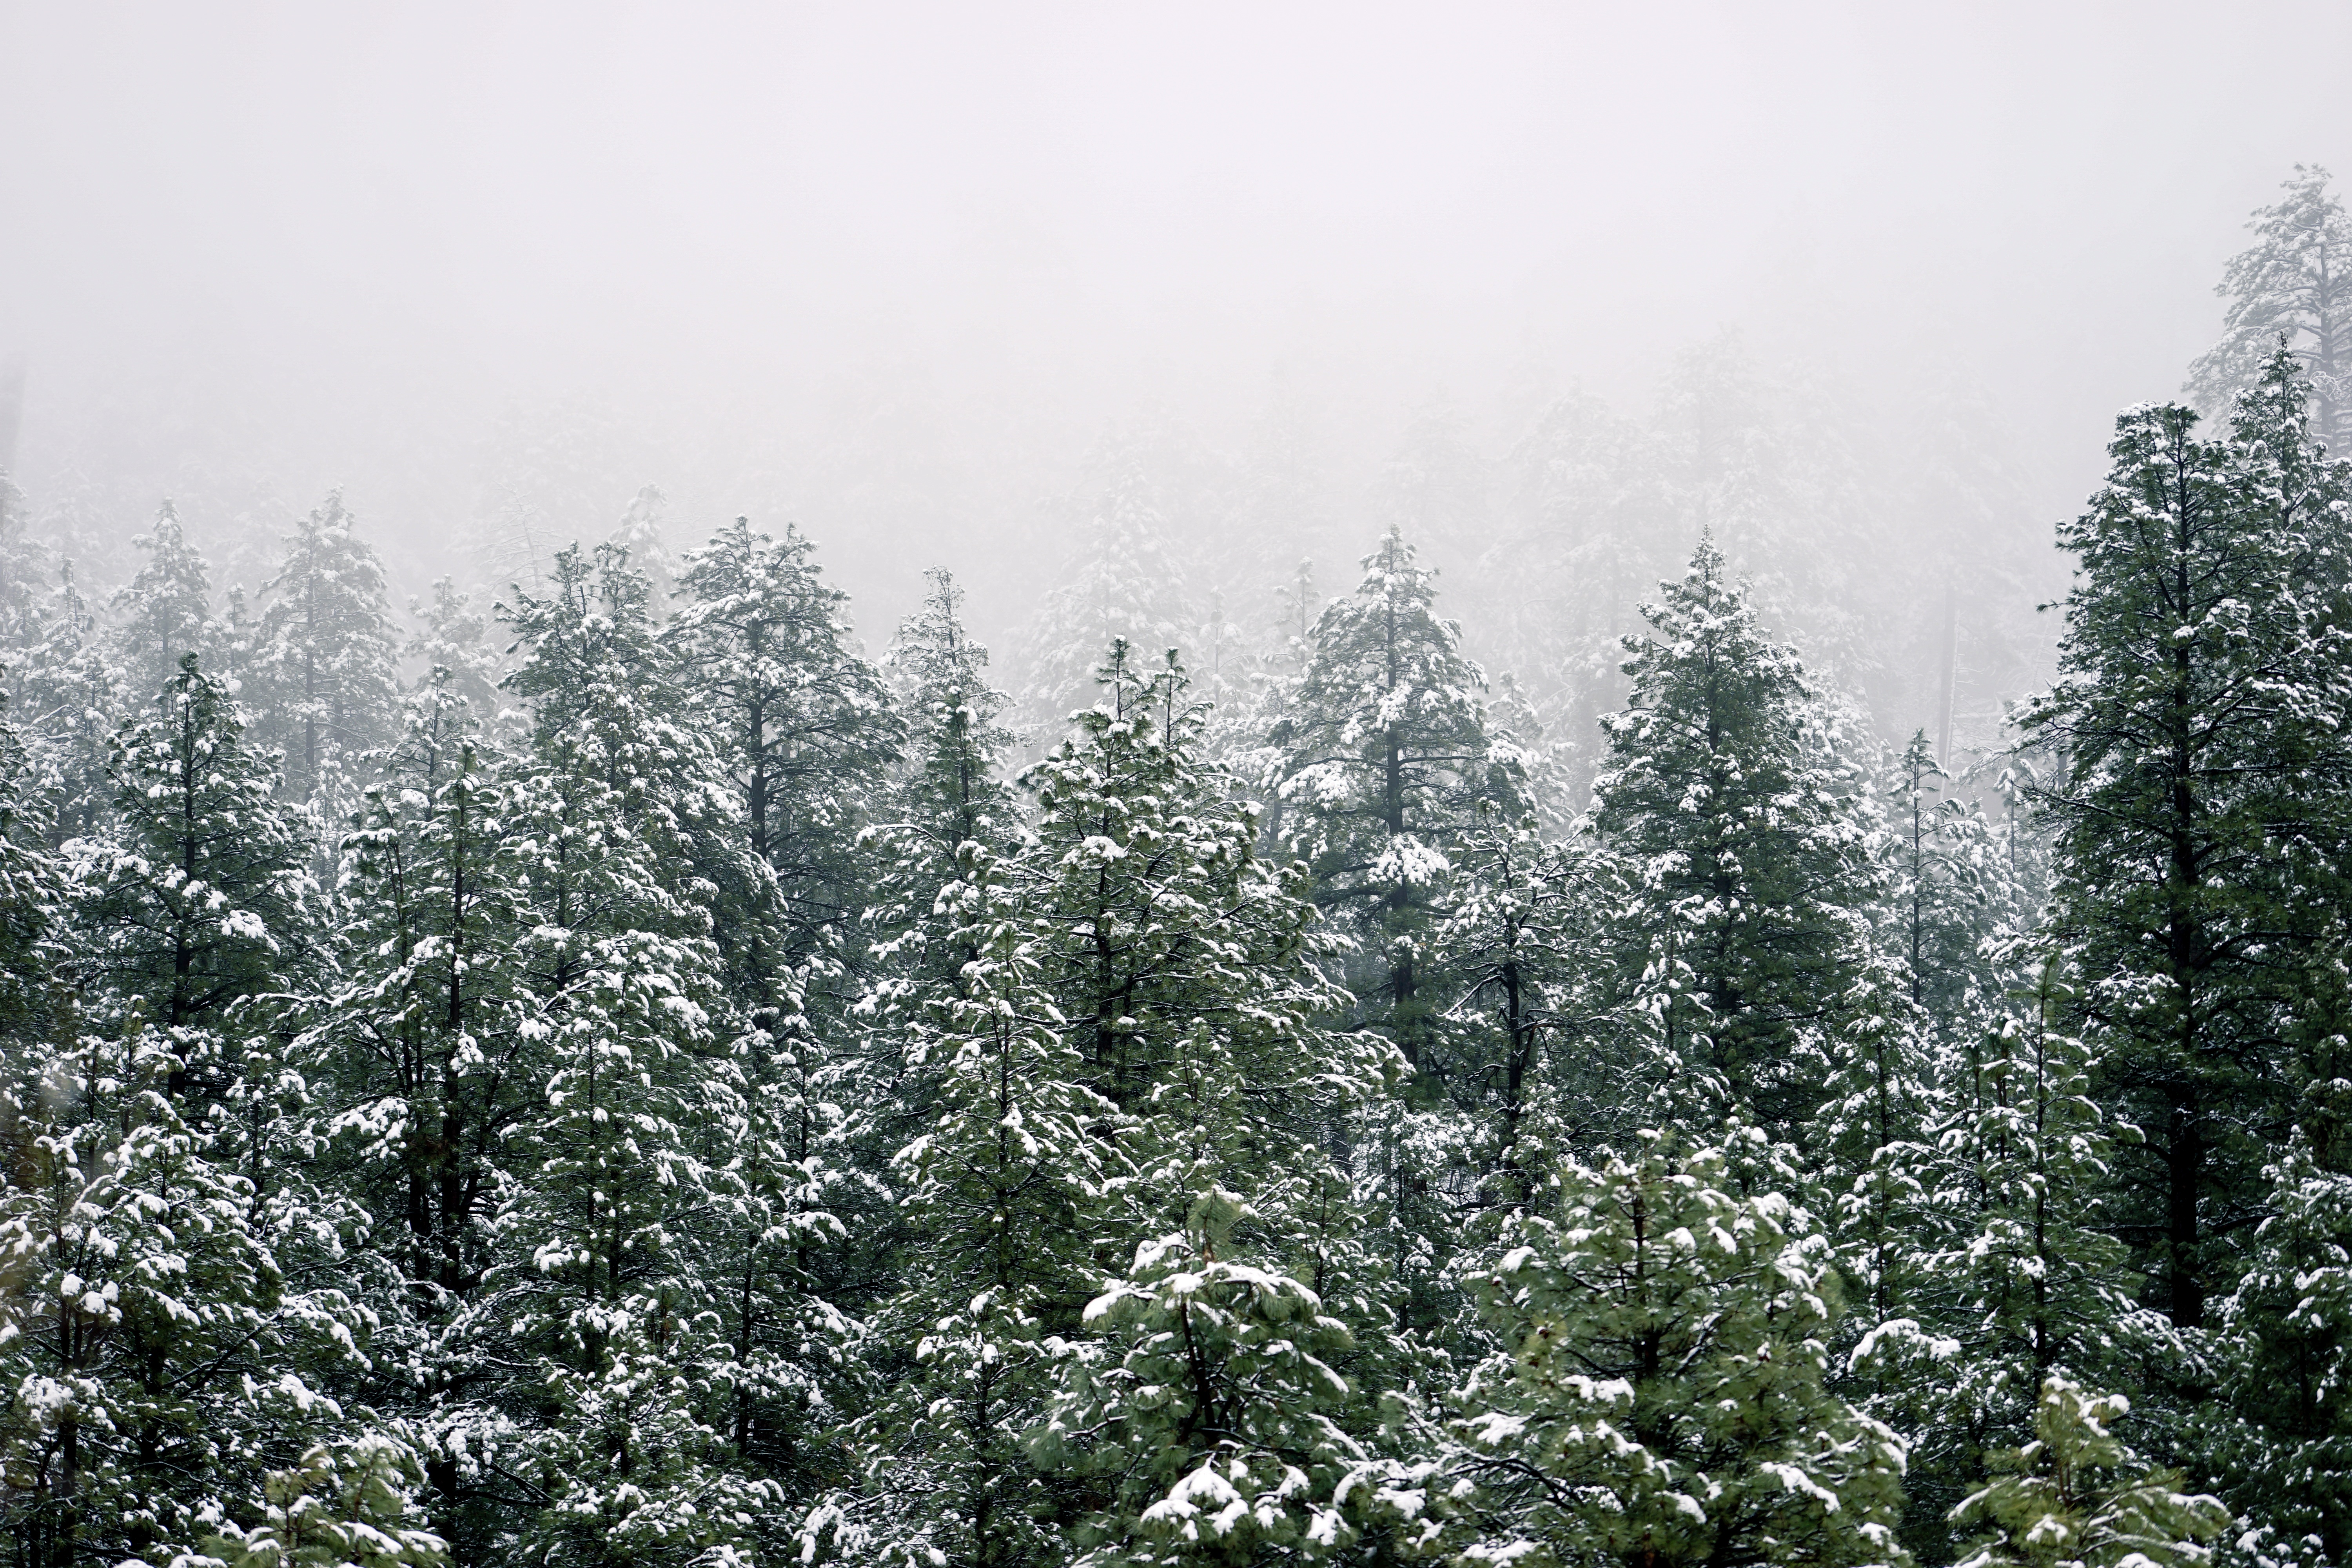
[[1739, 1039]]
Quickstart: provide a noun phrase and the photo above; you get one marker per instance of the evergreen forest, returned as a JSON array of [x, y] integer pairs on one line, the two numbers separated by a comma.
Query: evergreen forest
[[610, 1068]]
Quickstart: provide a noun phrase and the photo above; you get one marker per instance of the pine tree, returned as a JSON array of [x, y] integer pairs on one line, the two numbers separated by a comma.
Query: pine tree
[[1747, 937], [1186, 964], [952, 788], [346, 1505], [154, 1356], [2015, 1277], [324, 660], [2279, 1445], [452, 634], [1946, 894], [2292, 287], [1153, 913], [1384, 763], [2075, 1497], [803, 736], [1515, 943], [197, 897], [66, 690], [2199, 697], [643, 534], [629, 1425], [427, 1059], [1004, 1186], [951, 792], [804, 733], [34, 1011], [1219, 1429], [164, 612], [611, 717], [616, 1243], [1657, 1392]]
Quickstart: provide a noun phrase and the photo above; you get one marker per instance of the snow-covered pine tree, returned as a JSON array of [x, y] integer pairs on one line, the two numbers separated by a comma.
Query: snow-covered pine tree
[[804, 733], [601, 688], [1745, 941], [154, 1355], [2075, 1497], [35, 1012], [322, 671], [65, 692], [196, 895], [2278, 1446], [1657, 1395], [1946, 894], [1385, 759], [1515, 945], [1383, 765], [2201, 693], [643, 532], [343, 1505], [617, 1246], [803, 736], [611, 1244], [1005, 1187], [425, 1061], [2292, 287], [452, 634], [2014, 1276], [953, 789], [1156, 919], [1186, 964], [166, 1350], [609, 711], [1217, 1428], [164, 612]]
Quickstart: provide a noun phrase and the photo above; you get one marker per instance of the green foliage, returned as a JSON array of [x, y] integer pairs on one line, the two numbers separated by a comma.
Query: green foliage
[[803, 732], [1385, 757], [1526, 916], [196, 899], [1215, 1422], [1658, 1391], [2202, 675], [345, 1505], [152, 1355], [1744, 940], [1005, 1187], [2014, 1275], [2278, 1446], [2075, 1497]]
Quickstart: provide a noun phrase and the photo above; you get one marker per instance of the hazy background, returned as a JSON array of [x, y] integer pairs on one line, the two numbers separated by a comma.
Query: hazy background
[[894, 271]]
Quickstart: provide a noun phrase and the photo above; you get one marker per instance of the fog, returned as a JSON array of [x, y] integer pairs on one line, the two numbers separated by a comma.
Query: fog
[[895, 272]]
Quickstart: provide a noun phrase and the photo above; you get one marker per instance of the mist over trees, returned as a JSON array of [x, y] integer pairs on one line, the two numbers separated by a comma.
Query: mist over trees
[[1641, 1015]]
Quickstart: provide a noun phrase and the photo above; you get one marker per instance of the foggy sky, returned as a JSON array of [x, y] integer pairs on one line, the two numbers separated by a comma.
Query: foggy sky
[[329, 244]]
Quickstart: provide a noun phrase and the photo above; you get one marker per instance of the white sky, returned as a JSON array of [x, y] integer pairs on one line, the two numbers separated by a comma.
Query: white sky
[[364, 227]]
